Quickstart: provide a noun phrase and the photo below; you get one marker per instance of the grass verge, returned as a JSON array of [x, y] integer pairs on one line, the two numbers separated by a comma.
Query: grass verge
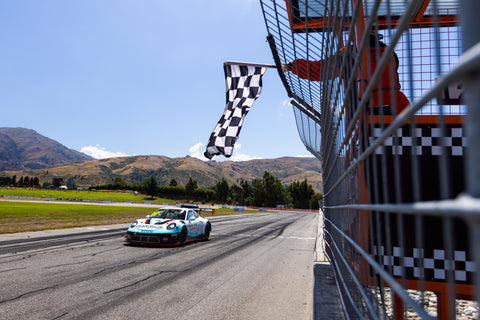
[[23, 216], [30, 216], [79, 195]]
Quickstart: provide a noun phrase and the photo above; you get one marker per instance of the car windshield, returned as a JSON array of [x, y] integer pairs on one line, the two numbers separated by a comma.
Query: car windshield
[[168, 214]]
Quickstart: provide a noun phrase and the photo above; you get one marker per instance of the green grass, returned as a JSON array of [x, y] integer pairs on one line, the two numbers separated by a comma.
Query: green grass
[[32, 216], [22, 216], [80, 195]]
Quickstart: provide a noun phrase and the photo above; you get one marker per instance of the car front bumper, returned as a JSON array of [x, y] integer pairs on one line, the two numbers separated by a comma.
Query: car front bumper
[[152, 238]]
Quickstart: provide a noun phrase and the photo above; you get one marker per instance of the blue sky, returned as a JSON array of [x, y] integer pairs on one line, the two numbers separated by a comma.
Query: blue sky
[[138, 77]]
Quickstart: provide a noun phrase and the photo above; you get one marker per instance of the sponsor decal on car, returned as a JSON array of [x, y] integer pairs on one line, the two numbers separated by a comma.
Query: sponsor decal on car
[[150, 226]]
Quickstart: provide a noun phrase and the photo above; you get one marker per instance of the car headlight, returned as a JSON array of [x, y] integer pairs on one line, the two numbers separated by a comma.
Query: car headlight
[[171, 226], [134, 224]]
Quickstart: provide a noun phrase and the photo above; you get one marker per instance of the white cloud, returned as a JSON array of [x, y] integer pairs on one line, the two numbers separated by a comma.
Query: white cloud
[[99, 152], [236, 156], [304, 155], [286, 103], [242, 157], [196, 151], [283, 107]]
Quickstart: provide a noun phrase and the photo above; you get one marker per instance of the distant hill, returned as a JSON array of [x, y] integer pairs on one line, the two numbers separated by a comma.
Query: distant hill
[[26, 149], [24, 152], [133, 169]]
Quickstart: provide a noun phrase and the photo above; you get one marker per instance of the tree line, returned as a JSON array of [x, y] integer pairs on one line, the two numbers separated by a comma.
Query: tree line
[[265, 192], [30, 182], [25, 182]]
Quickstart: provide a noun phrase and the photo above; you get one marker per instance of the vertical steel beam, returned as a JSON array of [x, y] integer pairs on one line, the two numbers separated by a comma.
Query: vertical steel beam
[[470, 23]]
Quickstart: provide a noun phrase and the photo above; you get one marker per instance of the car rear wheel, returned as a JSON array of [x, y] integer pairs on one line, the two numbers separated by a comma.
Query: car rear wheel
[[208, 228], [183, 236]]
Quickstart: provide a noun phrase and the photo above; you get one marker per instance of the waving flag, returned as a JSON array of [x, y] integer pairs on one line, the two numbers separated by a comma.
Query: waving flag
[[244, 85]]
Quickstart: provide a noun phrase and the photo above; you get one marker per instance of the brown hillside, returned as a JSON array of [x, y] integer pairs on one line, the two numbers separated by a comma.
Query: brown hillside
[[134, 169], [23, 149]]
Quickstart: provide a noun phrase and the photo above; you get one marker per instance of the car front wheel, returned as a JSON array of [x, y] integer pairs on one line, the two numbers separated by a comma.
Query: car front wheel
[[183, 236], [208, 228]]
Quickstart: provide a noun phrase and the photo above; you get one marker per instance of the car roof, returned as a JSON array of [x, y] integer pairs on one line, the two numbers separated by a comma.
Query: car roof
[[188, 205]]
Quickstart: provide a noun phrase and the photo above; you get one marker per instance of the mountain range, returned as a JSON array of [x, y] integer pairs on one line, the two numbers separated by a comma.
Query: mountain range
[[26, 149], [24, 152]]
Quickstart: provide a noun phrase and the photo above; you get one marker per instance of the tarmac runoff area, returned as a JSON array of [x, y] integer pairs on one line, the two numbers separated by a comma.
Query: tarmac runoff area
[[326, 301]]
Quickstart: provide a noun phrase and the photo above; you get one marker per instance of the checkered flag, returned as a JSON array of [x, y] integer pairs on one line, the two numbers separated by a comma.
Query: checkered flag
[[244, 85]]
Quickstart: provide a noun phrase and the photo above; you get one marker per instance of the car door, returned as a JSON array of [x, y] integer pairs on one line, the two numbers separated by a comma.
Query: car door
[[193, 223]]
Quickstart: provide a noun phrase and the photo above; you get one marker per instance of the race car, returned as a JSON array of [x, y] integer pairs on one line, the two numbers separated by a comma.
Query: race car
[[169, 226]]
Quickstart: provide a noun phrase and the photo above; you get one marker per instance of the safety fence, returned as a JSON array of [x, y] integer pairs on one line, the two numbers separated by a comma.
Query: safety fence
[[386, 94]]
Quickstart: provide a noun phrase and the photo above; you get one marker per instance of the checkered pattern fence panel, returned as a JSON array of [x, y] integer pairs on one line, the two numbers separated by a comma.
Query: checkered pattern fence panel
[[427, 264], [425, 140]]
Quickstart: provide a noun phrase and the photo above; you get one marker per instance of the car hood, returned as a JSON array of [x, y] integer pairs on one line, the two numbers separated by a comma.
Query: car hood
[[154, 224]]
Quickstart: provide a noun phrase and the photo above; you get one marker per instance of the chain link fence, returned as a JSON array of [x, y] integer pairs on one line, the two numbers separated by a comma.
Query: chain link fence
[[386, 94]]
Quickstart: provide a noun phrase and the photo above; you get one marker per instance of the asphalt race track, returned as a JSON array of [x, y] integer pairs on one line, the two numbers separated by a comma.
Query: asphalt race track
[[253, 267]]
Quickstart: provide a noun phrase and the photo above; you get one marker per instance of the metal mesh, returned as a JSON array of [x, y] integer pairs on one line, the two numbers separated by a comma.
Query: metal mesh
[[386, 95]]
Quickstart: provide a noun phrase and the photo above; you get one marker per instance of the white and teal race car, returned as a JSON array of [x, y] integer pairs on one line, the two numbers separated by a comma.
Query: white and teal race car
[[169, 226]]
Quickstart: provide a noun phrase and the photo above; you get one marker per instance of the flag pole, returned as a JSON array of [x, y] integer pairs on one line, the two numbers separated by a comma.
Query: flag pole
[[249, 64]]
